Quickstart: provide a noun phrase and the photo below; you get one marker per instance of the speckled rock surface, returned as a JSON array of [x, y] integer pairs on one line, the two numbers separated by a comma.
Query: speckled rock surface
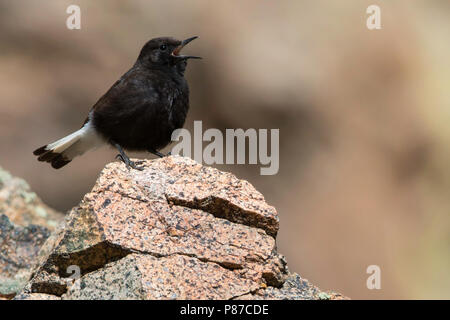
[[176, 230], [19, 248], [36, 296], [22, 206], [25, 224], [293, 288]]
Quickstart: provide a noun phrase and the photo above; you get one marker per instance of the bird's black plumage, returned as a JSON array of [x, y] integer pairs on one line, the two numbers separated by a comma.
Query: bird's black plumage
[[141, 110]]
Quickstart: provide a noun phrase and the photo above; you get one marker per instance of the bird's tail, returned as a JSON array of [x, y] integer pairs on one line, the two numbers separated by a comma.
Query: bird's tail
[[61, 152]]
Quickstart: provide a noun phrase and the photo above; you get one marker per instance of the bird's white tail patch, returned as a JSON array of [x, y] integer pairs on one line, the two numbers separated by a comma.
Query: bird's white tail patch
[[75, 144]]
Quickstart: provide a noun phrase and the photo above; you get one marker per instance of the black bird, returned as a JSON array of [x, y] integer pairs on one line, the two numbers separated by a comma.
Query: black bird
[[138, 113]]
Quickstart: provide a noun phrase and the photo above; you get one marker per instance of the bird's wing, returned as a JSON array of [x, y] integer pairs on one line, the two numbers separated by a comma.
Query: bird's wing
[[132, 91]]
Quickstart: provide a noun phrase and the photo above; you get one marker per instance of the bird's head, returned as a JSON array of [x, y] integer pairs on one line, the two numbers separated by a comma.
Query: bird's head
[[165, 51]]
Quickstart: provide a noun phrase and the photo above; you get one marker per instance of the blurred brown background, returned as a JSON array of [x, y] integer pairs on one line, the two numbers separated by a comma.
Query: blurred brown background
[[363, 116]]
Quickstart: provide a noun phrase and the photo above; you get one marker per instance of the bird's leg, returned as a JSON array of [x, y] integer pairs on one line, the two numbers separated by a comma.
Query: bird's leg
[[122, 156], [159, 154]]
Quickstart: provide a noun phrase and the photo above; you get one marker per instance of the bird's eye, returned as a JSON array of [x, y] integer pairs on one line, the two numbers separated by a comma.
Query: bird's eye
[[163, 47]]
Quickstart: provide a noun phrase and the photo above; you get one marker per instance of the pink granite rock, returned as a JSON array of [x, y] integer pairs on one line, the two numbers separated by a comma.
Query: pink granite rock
[[25, 224], [177, 230], [22, 206]]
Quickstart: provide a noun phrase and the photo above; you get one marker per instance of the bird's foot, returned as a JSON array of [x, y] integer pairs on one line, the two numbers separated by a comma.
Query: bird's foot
[[122, 156], [129, 163]]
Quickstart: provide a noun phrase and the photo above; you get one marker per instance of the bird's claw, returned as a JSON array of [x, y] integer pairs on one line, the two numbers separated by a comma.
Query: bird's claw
[[134, 166], [129, 163]]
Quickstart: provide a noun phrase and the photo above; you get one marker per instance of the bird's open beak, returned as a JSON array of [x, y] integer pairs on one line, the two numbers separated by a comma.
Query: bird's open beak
[[176, 52]]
